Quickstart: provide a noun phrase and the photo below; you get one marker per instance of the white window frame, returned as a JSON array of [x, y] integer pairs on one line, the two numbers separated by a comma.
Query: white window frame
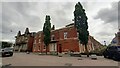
[[39, 35], [65, 35], [52, 37], [35, 42], [44, 47], [39, 40]]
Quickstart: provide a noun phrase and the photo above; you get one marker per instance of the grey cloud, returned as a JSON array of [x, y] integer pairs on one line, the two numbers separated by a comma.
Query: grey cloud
[[62, 14], [15, 17], [19, 15], [21, 7], [103, 33], [85, 4], [109, 15], [68, 6], [0, 20]]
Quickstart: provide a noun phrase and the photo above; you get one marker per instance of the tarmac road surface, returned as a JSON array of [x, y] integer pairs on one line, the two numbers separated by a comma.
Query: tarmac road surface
[[23, 59]]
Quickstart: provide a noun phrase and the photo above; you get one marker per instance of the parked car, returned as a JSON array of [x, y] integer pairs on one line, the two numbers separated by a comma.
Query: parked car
[[112, 52], [6, 49]]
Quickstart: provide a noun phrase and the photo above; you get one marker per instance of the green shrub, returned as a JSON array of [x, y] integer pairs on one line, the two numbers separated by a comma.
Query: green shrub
[[99, 51]]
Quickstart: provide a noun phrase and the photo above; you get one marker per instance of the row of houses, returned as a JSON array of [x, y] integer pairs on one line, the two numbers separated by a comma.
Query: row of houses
[[63, 40]]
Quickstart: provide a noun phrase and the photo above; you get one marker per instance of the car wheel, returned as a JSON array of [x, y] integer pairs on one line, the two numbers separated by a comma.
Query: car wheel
[[105, 56], [109, 57]]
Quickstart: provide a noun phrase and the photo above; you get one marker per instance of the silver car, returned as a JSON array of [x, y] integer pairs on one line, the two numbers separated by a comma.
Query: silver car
[[6, 50]]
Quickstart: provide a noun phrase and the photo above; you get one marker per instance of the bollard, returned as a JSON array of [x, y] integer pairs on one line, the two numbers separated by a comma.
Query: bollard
[[94, 57]]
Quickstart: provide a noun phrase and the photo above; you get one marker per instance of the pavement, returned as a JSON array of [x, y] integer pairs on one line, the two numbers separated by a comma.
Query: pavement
[[23, 59]]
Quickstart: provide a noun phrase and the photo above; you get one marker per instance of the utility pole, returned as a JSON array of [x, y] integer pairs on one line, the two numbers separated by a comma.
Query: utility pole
[[105, 43]]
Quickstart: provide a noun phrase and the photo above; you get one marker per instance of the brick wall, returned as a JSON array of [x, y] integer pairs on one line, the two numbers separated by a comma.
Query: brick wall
[[64, 44], [30, 43]]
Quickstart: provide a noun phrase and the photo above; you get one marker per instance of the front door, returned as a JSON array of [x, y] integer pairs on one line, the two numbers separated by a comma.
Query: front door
[[53, 47], [60, 48]]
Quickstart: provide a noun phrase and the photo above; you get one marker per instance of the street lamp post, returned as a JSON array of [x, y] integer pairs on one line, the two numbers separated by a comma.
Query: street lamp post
[[105, 43]]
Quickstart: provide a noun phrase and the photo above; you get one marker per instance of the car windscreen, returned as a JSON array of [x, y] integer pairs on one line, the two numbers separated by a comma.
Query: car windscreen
[[6, 45]]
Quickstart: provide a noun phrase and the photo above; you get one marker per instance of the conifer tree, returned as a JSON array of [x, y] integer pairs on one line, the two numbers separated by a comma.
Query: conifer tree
[[80, 20], [47, 32]]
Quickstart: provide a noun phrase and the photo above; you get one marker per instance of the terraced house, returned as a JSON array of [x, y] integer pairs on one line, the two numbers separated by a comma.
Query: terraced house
[[63, 40]]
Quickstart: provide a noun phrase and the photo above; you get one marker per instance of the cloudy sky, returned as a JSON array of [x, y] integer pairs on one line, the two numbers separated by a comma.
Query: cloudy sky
[[16, 15]]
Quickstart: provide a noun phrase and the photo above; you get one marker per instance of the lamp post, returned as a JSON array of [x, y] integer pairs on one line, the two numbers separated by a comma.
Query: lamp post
[[105, 43]]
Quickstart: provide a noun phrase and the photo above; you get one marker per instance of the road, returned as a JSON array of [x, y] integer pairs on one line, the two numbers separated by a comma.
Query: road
[[23, 59]]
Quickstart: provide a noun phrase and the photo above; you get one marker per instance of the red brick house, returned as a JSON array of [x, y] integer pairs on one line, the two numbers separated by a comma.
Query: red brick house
[[62, 41], [24, 42]]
